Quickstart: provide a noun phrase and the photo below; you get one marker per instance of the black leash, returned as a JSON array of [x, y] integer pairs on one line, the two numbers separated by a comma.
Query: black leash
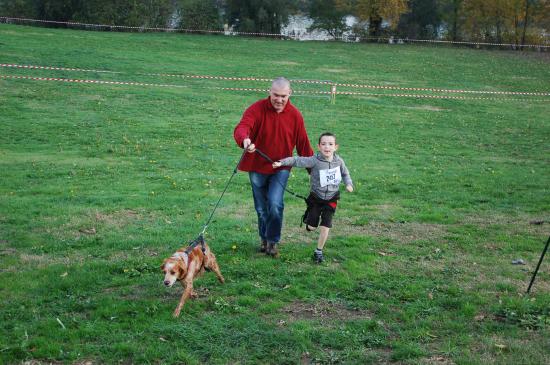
[[200, 238], [538, 265]]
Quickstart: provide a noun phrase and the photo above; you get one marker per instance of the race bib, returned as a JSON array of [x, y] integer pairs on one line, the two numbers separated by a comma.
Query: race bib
[[330, 177]]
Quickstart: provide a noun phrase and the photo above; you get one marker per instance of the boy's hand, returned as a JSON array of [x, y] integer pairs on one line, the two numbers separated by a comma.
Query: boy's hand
[[277, 164], [349, 188]]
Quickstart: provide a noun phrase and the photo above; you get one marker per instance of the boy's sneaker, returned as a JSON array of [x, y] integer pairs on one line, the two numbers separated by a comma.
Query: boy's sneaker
[[318, 256]]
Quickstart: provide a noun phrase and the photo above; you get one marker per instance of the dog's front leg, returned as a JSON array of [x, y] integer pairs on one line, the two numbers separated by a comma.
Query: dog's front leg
[[188, 289]]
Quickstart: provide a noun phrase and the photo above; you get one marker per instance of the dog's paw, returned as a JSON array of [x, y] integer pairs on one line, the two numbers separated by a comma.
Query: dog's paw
[[176, 313]]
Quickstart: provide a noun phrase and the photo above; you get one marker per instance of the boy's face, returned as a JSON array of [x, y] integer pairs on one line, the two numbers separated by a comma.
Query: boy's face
[[327, 146]]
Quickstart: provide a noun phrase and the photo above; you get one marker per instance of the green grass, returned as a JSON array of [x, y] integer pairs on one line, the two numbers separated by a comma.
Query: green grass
[[101, 182]]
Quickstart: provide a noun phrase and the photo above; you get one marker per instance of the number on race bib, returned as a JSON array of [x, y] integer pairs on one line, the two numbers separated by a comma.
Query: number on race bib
[[330, 177]]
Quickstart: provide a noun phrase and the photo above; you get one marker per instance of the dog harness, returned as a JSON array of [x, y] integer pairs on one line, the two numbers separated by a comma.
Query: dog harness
[[193, 244], [181, 255]]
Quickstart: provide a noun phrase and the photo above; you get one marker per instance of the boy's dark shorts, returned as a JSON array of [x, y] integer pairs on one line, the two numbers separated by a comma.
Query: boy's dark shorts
[[320, 210]]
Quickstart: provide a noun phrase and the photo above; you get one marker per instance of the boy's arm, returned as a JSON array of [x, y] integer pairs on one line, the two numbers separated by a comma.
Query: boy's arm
[[345, 175], [296, 161]]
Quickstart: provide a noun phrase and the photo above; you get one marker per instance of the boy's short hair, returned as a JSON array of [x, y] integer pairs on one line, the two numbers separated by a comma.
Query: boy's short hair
[[327, 134]]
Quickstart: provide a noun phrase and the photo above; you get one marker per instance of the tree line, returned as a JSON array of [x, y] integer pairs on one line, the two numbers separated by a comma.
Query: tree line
[[495, 21]]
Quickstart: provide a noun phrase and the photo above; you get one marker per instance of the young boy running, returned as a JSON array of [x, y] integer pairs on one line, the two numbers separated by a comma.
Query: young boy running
[[327, 171]]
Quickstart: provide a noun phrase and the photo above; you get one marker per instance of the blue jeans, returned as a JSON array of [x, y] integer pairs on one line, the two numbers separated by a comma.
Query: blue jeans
[[268, 192]]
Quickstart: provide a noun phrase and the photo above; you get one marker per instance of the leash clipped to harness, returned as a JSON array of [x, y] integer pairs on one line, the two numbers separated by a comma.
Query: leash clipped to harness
[[194, 243]]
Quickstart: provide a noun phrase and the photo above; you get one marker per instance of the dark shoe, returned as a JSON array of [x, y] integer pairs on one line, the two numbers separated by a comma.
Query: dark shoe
[[318, 257], [272, 250], [263, 246]]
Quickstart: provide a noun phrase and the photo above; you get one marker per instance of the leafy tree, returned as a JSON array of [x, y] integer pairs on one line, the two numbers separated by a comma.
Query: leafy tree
[[421, 21], [266, 16], [200, 14], [148, 13], [18, 8], [326, 16], [453, 15], [375, 12], [507, 21]]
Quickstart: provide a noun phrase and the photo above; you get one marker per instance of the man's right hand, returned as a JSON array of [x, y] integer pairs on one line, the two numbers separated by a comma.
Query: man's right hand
[[248, 145]]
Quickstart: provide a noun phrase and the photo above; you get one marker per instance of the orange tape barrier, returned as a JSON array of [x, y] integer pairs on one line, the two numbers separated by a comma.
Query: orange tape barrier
[[333, 84]]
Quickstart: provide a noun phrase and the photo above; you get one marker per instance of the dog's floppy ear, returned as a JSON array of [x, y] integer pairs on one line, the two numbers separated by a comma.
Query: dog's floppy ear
[[162, 266], [182, 268]]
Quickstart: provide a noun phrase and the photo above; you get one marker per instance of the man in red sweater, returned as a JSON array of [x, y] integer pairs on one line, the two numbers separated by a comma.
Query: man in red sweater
[[275, 127]]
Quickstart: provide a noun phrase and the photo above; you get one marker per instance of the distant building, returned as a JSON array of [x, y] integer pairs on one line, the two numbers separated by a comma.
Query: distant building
[[298, 28]]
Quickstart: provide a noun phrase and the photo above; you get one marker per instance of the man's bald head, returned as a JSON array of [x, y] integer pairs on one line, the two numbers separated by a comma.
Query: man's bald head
[[280, 83]]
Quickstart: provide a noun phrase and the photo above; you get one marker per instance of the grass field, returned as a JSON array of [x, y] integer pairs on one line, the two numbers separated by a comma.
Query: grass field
[[99, 183]]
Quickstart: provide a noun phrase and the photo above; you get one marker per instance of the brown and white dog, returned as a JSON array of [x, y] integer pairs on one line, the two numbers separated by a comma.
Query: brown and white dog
[[184, 266]]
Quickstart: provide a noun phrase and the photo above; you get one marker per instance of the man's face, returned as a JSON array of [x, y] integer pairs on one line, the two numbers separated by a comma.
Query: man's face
[[279, 97]]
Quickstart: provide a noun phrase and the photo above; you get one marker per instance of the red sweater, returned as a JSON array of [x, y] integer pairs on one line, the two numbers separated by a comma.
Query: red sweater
[[275, 134]]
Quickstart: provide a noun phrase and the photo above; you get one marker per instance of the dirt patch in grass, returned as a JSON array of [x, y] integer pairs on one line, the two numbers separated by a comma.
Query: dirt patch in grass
[[522, 224], [334, 70], [402, 232], [132, 254], [7, 251], [119, 218], [495, 218], [323, 311], [437, 360], [243, 212], [41, 261], [93, 222], [286, 63], [427, 107]]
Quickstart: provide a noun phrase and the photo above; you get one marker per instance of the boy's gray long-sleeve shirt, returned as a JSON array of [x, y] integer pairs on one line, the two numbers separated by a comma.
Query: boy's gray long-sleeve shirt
[[325, 175]]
